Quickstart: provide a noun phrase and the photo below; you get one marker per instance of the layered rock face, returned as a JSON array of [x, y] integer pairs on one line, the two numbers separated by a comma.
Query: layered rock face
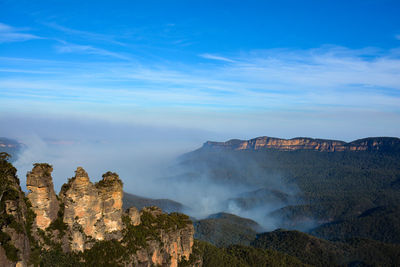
[[174, 247], [42, 196], [367, 144], [96, 209], [85, 217], [110, 192], [176, 241], [178, 244]]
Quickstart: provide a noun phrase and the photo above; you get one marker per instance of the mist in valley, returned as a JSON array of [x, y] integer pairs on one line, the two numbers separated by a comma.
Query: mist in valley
[[148, 160]]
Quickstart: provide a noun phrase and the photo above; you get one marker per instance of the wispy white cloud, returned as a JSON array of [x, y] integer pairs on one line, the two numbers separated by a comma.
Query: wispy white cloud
[[88, 49], [259, 80], [10, 34], [315, 70], [85, 34], [8, 70], [215, 57]]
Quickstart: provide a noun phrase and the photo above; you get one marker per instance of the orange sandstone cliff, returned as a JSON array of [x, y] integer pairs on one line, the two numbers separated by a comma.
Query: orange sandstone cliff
[[303, 143]]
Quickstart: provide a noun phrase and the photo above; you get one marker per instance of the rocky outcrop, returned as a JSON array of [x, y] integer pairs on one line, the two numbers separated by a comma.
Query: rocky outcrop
[[174, 240], [110, 192], [82, 208], [133, 215], [96, 209], [174, 246], [178, 244], [41, 194], [14, 219], [85, 218], [302, 143]]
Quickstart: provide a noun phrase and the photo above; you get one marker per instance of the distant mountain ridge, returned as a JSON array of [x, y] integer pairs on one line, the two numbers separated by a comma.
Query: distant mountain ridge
[[305, 143], [11, 146], [167, 205]]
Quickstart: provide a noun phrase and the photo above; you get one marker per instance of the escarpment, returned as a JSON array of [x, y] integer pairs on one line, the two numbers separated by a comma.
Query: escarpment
[[86, 219], [302, 143]]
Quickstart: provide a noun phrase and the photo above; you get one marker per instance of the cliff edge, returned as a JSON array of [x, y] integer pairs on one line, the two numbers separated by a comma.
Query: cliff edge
[[85, 224], [304, 143]]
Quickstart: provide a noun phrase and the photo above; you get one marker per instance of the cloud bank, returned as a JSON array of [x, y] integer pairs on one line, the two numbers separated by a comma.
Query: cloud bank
[[301, 92]]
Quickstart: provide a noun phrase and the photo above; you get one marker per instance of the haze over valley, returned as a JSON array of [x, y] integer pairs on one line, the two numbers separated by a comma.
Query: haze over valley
[[199, 133]]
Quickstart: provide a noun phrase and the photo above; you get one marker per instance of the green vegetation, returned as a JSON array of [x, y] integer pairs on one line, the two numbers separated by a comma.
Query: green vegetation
[[380, 223], [106, 253], [58, 224], [224, 229], [8, 192], [9, 248], [12, 149], [262, 257], [319, 252], [57, 258], [353, 195], [108, 182], [352, 198], [237, 256], [166, 205], [332, 186], [44, 166], [136, 237], [4, 156]]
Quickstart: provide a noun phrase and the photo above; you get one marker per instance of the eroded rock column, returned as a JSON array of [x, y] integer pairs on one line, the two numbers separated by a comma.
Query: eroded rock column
[[83, 205], [42, 196], [110, 191]]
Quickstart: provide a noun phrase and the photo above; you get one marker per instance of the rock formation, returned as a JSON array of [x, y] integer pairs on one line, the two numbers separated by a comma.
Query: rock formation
[[175, 240], [302, 143], [14, 217], [42, 196], [133, 215], [85, 217], [82, 207], [110, 192]]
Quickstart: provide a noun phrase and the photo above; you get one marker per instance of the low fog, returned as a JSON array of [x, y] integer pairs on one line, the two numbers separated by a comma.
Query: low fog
[[144, 157]]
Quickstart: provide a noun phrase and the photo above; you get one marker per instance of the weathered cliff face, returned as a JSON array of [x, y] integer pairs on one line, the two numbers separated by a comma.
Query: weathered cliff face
[[42, 196], [178, 244], [87, 218], [14, 219], [174, 246], [111, 194], [93, 210], [174, 240], [367, 144], [82, 208]]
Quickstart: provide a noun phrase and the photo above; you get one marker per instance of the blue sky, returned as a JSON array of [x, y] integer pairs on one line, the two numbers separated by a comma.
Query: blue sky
[[238, 69]]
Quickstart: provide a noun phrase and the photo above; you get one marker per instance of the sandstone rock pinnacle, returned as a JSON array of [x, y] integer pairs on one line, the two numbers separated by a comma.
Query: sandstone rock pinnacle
[[110, 192], [42, 196], [83, 206]]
